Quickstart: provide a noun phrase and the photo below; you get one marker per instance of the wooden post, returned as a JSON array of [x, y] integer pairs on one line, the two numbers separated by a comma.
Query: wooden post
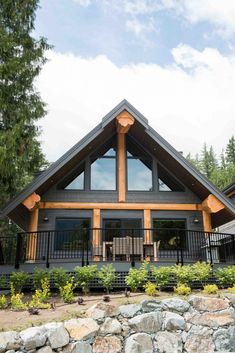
[[32, 241], [96, 235], [147, 226], [121, 168], [206, 221]]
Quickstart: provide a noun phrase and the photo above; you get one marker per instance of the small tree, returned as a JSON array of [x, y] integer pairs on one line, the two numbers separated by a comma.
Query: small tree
[[162, 275], [136, 277], [84, 276], [107, 276]]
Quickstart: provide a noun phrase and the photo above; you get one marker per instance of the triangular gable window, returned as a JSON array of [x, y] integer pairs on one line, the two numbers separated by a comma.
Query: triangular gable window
[[75, 180], [77, 183], [166, 182]]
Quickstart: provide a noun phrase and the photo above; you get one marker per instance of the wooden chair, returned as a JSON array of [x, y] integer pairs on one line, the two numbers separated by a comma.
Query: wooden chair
[[128, 246]]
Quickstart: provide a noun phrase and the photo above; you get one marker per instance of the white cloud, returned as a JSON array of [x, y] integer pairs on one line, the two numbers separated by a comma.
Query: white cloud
[[189, 102], [140, 28], [84, 3]]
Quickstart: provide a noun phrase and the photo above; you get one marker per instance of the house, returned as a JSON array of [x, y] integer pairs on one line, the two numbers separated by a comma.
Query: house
[[229, 227], [121, 194]]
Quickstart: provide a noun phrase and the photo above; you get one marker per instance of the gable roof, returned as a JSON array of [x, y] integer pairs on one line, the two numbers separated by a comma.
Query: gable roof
[[195, 180]]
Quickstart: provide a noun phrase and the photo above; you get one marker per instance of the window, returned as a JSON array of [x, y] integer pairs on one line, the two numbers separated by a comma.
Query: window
[[70, 233], [170, 232], [121, 228], [77, 183], [103, 171], [75, 180], [139, 169], [166, 182]]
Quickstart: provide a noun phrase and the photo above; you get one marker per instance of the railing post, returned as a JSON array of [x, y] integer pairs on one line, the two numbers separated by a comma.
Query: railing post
[[83, 246], [87, 245], [48, 249], [210, 250], [181, 249], [233, 246], [18, 250], [132, 255], [177, 249]]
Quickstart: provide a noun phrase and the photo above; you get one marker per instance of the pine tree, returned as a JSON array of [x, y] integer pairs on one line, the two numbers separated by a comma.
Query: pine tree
[[21, 59], [230, 151], [208, 161]]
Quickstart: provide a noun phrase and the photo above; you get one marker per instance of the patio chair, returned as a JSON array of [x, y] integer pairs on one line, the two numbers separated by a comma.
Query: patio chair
[[128, 246]]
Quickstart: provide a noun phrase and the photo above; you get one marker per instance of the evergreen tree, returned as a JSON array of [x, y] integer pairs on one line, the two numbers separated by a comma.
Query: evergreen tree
[[208, 161], [230, 151]]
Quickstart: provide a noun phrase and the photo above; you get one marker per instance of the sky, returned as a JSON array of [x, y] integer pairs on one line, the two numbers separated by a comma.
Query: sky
[[174, 60]]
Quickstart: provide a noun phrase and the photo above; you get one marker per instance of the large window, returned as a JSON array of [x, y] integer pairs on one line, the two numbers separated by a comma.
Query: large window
[[71, 233], [121, 228], [170, 232], [103, 171], [166, 182]]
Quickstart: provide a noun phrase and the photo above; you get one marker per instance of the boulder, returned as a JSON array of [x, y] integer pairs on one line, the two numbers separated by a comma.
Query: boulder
[[101, 310], [81, 329], [108, 344], [148, 322], [33, 337], [151, 305], [208, 304], [111, 326], [9, 340], [57, 334], [168, 342], [139, 343], [175, 305], [46, 349], [199, 340], [213, 319], [129, 310], [81, 347], [173, 321], [222, 340]]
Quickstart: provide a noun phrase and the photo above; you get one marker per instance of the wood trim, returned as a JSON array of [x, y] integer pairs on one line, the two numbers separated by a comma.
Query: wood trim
[[96, 233], [32, 240], [231, 193], [147, 225], [121, 206], [31, 201], [121, 168], [124, 121], [206, 221], [212, 205]]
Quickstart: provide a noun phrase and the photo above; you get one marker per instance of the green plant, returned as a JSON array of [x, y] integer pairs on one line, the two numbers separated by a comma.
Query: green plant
[[226, 275], [18, 280], [182, 289], [136, 277], [16, 300], [162, 275], [150, 289], [45, 291], [36, 301], [107, 276], [3, 301], [39, 275], [2, 281], [210, 289], [66, 292], [201, 272], [184, 274], [232, 289], [60, 276], [84, 276]]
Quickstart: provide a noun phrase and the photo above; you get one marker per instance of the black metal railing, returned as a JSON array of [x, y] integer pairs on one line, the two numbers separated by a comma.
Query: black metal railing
[[84, 245]]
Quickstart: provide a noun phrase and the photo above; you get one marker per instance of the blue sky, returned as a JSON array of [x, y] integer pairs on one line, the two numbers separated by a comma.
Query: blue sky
[[173, 59]]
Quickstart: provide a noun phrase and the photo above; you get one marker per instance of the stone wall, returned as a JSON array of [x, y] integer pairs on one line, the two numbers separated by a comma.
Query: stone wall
[[198, 325]]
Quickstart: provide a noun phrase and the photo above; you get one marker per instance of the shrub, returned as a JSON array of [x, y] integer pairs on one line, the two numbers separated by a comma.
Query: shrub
[[162, 275], [201, 272], [2, 281], [39, 275], [182, 289], [232, 289], [3, 301], [66, 291], [226, 275], [60, 276], [210, 289], [45, 291], [184, 274], [150, 289], [107, 276], [84, 276], [18, 280], [36, 301], [16, 300], [136, 277]]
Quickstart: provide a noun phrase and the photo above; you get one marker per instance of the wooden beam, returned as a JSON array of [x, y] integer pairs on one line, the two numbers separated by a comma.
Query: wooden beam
[[206, 221], [231, 193], [32, 239], [147, 225], [121, 168], [121, 206], [31, 201], [212, 205], [124, 121], [96, 234]]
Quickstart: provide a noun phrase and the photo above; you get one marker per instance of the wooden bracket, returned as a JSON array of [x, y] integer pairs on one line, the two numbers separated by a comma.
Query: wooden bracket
[[124, 121], [32, 201], [212, 205]]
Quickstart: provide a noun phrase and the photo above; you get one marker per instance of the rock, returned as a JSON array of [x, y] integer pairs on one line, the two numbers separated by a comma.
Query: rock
[[231, 298], [46, 349], [167, 342], [221, 339], [33, 337], [232, 337], [218, 319], [108, 344], [129, 310], [101, 310], [57, 334], [139, 343], [111, 326], [81, 329], [151, 305], [149, 322], [208, 304], [175, 305], [9, 340], [199, 340], [10, 351], [81, 347], [173, 321]]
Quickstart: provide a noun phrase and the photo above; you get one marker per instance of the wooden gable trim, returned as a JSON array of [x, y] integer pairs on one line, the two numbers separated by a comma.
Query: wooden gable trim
[[124, 121], [212, 205], [31, 202]]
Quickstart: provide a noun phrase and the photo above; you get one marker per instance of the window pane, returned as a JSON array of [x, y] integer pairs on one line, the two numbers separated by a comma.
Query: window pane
[[170, 232], [110, 153], [77, 183], [103, 174], [139, 175], [166, 181], [163, 186]]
